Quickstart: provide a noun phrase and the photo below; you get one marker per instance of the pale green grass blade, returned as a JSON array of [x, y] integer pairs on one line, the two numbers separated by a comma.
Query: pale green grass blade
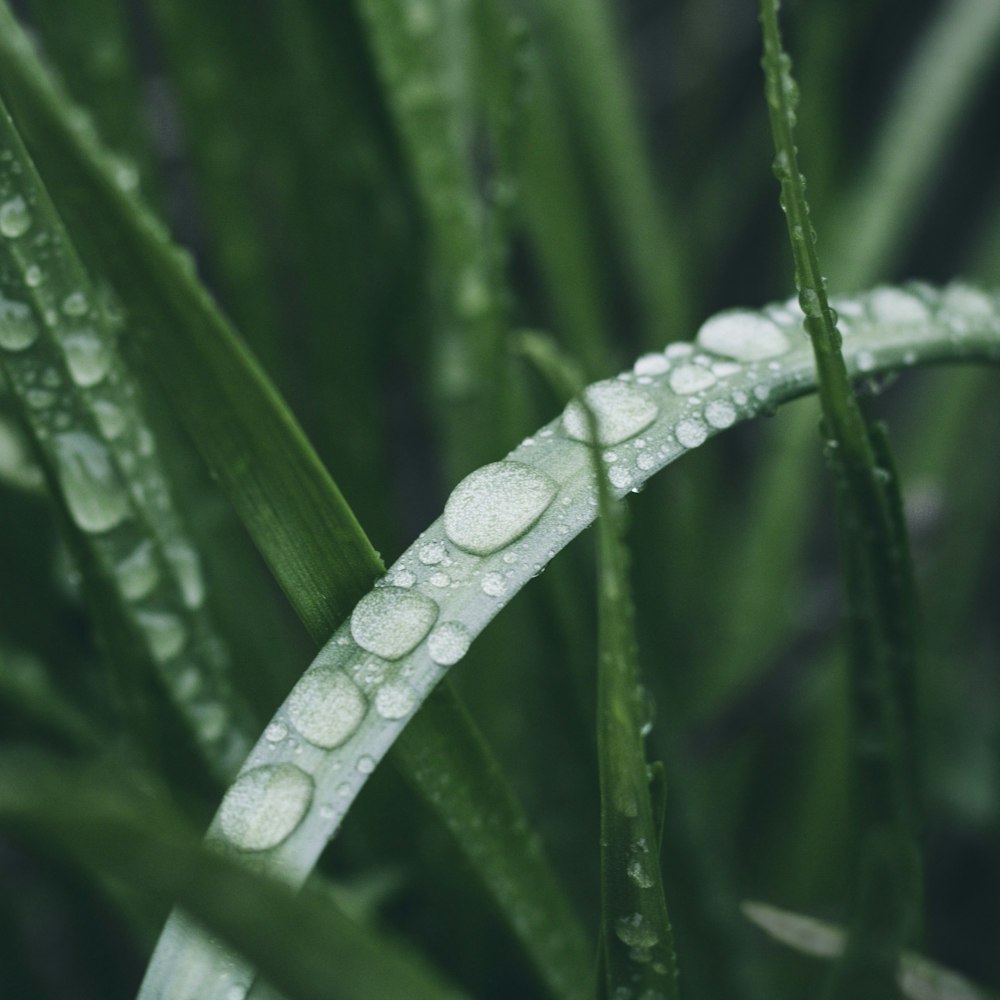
[[111, 826], [880, 595], [58, 351], [918, 978], [504, 522], [266, 466]]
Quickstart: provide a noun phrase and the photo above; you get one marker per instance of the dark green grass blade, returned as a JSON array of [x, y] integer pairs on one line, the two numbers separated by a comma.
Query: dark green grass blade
[[636, 938], [112, 827], [304, 528], [875, 558]]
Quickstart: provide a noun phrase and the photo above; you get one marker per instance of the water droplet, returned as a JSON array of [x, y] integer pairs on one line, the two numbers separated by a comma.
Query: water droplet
[[15, 219], [678, 349], [622, 411], [690, 378], [33, 277], [402, 577], [969, 301], [265, 805], [165, 633], [691, 432], [432, 553], [635, 931], [651, 364], [493, 584], [441, 580], [137, 573], [723, 369], [496, 505], [75, 304], [646, 461], [275, 732], [186, 565], [720, 414], [865, 361], [390, 621], [17, 327], [88, 356], [365, 764], [448, 643], [619, 477], [395, 700], [893, 305], [326, 706], [93, 492], [745, 336], [110, 418]]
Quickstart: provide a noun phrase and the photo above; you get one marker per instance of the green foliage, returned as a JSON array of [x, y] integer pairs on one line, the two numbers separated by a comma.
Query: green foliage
[[385, 209]]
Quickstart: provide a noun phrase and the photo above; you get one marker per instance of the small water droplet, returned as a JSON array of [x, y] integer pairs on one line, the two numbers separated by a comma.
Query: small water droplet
[[186, 565], [865, 361], [390, 621], [275, 732], [75, 304], [402, 577], [651, 364], [265, 805], [448, 643], [720, 413], [137, 573], [17, 326], [619, 477], [691, 432], [621, 411], [15, 219], [95, 496], [635, 931], [88, 357], [326, 706], [395, 700], [441, 580], [365, 764], [432, 553], [165, 633], [690, 378], [678, 349], [110, 418], [496, 505], [493, 584], [743, 335]]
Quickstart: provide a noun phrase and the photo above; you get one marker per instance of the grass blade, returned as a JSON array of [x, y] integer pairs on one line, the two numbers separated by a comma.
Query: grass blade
[[875, 558], [110, 825]]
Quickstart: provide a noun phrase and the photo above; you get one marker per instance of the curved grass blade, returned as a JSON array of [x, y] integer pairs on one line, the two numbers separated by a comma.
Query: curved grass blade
[[918, 978], [114, 828], [502, 524], [58, 351], [299, 521], [875, 559]]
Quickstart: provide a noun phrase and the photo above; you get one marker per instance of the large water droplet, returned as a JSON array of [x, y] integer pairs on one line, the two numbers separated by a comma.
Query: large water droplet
[[17, 327], [88, 356], [496, 505], [326, 706], [448, 643], [390, 621], [265, 805], [690, 378], [893, 305], [15, 219], [93, 492], [137, 573], [621, 410], [165, 632], [745, 336], [395, 700]]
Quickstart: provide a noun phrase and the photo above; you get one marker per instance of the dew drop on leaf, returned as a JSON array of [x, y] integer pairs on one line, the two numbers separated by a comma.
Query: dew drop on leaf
[[395, 700], [88, 357], [621, 410], [17, 329], [15, 219], [165, 633], [95, 497], [635, 931], [690, 378], [691, 432], [265, 805], [137, 573], [326, 706], [448, 643], [743, 335], [893, 305], [720, 413], [495, 505], [390, 621]]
